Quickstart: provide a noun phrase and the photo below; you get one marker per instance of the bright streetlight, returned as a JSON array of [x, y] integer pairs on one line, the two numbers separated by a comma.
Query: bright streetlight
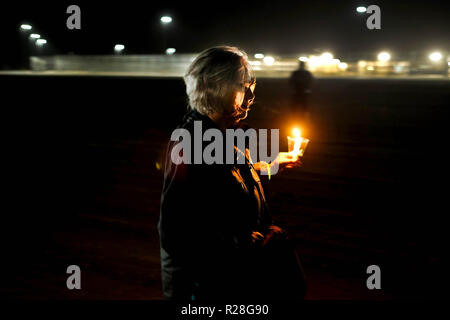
[[118, 48], [259, 56], [435, 56], [35, 36], [25, 27], [41, 42], [170, 51], [166, 19], [384, 56], [361, 9]]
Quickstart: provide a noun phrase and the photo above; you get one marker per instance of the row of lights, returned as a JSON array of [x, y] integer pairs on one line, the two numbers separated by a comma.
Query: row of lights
[[35, 36], [325, 58], [383, 56], [118, 48], [386, 56], [268, 60]]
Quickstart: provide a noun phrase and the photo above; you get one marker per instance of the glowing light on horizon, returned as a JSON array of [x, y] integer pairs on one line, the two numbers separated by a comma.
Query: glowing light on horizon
[[118, 48], [170, 51], [342, 66], [35, 36], [41, 42], [259, 56], [269, 60], [327, 56], [303, 58], [435, 56], [384, 56]]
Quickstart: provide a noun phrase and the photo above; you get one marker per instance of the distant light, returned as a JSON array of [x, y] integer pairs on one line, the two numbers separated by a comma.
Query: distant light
[[314, 61], [269, 60], [435, 56], [259, 56], [35, 36], [166, 19], [384, 56], [361, 9], [362, 64], [302, 58], [370, 68], [342, 66], [335, 61], [119, 47], [170, 51], [26, 27], [41, 42], [448, 63], [327, 56]]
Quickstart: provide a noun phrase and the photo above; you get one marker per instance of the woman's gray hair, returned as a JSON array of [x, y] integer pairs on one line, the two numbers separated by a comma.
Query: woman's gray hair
[[213, 78]]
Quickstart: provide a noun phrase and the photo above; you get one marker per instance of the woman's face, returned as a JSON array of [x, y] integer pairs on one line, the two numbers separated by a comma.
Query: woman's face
[[243, 100]]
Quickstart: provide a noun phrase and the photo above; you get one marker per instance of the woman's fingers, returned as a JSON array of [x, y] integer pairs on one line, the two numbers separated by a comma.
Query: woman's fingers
[[256, 236]]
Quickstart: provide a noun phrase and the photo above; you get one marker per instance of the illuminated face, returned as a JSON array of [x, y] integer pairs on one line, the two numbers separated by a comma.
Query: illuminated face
[[243, 100]]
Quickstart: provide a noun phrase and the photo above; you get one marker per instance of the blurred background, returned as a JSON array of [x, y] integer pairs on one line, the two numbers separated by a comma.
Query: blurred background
[[87, 114], [161, 39]]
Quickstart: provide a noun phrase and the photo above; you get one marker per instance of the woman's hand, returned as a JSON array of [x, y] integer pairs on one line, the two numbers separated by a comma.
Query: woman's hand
[[284, 160], [273, 233], [257, 238], [287, 160]]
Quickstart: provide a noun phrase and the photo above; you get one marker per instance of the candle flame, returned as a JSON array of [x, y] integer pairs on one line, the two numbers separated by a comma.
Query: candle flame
[[298, 141]]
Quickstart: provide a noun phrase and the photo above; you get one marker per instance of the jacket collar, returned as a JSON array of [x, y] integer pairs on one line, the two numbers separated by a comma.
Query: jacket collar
[[207, 123]]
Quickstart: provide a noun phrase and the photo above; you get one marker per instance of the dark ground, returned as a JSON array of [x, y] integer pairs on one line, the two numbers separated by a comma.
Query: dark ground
[[82, 185]]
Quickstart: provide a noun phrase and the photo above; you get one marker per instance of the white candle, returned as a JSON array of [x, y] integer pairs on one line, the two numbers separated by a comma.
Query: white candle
[[297, 142]]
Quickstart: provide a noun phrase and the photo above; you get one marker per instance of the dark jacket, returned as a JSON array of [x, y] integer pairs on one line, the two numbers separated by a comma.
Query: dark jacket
[[208, 213]]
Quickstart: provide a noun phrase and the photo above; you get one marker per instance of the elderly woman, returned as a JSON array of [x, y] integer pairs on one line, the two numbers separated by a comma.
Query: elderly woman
[[216, 233]]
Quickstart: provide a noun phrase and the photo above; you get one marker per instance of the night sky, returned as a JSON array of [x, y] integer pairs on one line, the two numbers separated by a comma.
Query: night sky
[[276, 27]]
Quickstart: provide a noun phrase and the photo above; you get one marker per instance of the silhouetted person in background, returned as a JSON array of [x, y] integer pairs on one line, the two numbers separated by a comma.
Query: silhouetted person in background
[[300, 82]]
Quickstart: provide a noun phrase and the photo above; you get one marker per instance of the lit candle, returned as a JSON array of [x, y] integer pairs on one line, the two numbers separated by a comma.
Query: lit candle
[[297, 144]]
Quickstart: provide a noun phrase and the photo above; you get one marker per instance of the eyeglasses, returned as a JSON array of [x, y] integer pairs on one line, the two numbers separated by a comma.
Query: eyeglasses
[[250, 87]]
